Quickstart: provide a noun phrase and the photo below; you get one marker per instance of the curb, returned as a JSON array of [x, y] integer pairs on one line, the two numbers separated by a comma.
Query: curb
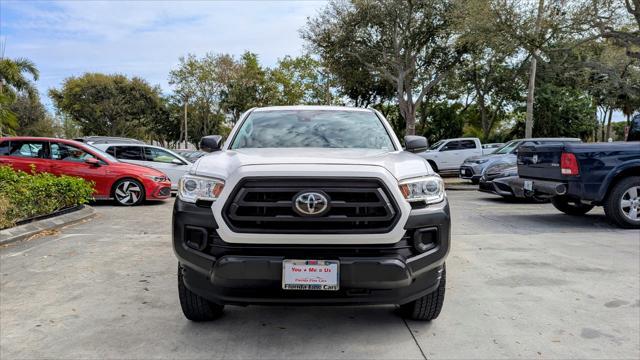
[[25, 231]]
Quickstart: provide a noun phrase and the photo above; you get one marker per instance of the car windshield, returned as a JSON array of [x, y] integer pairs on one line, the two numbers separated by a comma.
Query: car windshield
[[313, 129], [101, 153], [508, 147], [436, 145]]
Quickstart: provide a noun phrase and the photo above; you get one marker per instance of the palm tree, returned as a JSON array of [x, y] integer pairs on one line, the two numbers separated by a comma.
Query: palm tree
[[14, 79]]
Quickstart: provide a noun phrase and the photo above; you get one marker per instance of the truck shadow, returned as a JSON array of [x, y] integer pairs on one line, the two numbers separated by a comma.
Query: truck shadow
[[289, 332]]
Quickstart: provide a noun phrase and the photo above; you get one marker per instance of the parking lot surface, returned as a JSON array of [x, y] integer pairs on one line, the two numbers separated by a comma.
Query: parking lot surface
[[524, 281]]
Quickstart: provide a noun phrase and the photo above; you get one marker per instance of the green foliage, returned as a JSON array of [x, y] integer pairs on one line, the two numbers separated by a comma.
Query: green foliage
[[109, 104], [33, 119], [13, 80], [23, 196], [442, 120], [563, 111], [302, 80]]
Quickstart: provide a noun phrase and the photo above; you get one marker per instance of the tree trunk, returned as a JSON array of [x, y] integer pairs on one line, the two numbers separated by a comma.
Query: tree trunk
[[528, 125], [186, 129], [484, 121], [408, 112], [609, 124]]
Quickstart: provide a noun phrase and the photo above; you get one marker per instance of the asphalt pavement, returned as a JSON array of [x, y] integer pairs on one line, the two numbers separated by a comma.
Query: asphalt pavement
[[523, 281]]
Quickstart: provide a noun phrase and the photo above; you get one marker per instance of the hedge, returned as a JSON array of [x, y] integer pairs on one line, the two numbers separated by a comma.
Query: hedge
[[24, 196]]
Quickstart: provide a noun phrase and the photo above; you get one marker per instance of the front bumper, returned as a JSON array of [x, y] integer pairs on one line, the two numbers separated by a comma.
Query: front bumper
[[470, 172], [229, 273], [505, 186], [158, 191]]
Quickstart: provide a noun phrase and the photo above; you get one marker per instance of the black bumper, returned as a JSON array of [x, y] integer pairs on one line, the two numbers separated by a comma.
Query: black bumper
[[251, 274]]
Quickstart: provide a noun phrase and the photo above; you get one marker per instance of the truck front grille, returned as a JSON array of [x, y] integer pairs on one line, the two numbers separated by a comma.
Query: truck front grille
[[356, 206]]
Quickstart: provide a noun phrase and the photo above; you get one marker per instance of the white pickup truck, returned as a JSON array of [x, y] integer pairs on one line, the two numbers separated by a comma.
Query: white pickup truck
[[449, 154]]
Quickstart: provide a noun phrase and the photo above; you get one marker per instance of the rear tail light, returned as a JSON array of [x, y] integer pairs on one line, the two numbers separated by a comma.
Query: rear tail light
[[569, 164]]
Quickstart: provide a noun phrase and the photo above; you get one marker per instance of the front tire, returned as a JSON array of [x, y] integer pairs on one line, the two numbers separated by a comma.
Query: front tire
[[623, 203], [570, 207], [428, 307], [128, 192], [195, 307]]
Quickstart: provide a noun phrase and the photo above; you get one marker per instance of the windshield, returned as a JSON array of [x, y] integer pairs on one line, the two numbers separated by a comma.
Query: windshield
[[314, 129], [436, 145], [101, 153], [508, 147]]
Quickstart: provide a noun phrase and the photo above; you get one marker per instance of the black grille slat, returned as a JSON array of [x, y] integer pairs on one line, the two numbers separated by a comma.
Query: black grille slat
[[265, 205]]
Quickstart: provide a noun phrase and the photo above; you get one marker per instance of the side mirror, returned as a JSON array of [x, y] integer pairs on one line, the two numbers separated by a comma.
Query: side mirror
[[211, 143], [92, 161], [415, 144], [177, 162]]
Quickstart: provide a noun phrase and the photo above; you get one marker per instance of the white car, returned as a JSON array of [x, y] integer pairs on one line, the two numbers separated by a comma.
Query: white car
[[165, 160], [449, 154]]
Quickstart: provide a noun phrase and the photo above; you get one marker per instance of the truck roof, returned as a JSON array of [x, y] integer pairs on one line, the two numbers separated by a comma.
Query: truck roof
[[311, 108]]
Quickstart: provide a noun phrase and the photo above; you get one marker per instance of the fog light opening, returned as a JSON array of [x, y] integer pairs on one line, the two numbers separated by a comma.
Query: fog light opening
[[195, 237], [425, 239]]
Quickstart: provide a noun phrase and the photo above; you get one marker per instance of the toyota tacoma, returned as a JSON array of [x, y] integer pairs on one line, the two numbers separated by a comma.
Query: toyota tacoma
[[311, 205]]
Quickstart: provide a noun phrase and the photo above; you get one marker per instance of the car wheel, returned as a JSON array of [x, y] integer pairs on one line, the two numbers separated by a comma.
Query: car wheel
[[570, 207], [128, 192], [194, 306], [623, 203], [428, 307]]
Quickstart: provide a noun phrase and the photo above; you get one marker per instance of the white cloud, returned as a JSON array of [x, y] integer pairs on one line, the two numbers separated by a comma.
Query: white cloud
[[144, 38]]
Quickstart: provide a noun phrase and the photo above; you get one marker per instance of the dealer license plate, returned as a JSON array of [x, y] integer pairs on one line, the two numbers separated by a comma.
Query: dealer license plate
[[310, 275], [528, 185]]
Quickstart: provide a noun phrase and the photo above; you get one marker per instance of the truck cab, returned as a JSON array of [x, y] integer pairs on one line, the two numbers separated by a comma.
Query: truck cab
[[449, 154]]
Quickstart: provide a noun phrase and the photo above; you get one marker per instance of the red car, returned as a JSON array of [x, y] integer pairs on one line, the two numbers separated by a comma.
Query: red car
[[128, 184]]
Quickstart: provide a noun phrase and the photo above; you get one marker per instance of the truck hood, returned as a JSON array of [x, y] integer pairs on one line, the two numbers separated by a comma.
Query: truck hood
[[400, 164]]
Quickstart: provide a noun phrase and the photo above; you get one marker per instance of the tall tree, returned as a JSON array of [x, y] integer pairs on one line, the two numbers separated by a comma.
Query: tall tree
[[302, 80], [248, 87], [109, 104], [410, 43], [14, 78], [33, 118]]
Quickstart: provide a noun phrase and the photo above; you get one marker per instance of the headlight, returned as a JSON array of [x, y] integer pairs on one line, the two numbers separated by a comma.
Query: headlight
[[192, 188], [429, 189], [481, 161], [157, 178]]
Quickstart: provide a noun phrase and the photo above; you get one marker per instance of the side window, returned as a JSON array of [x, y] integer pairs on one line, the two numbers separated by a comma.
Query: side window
[[5, 148], [29, 149], [111, 150], [129, 153], [467, 144], [451, 145], [65, 152], [158, 155]]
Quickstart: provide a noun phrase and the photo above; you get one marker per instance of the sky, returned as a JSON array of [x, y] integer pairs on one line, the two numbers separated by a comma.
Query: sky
[[145, 38]]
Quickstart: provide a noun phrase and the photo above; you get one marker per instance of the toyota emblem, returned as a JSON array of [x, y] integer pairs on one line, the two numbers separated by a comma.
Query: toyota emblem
[[311, 203]]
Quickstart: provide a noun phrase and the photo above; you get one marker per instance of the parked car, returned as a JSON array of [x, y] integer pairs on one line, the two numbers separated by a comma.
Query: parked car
[[578, 177], [473, 167], [191, 155], [155, 157], [448, 155], [311, 205], [127, 184], [501, 179], [490, 148], [92, 140]]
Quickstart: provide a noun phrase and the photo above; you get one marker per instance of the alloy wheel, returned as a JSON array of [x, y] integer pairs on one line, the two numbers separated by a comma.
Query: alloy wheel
[[128, 193], [630, 203]]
